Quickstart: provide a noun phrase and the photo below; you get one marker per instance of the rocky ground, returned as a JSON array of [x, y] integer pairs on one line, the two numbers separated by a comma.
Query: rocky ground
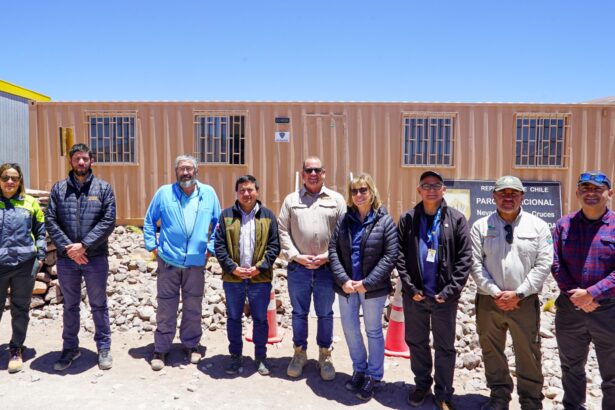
[[132, 302]]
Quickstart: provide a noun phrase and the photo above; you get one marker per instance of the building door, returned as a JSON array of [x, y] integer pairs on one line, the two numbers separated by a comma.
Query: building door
[[325, 135]]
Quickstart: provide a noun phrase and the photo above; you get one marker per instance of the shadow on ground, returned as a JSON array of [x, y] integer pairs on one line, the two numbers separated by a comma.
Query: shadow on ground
[[86, 361]]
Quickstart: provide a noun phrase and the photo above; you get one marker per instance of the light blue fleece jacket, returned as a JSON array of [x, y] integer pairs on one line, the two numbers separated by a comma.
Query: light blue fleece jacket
[[174, 245]]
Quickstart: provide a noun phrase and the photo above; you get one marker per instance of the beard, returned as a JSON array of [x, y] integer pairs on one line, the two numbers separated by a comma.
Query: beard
[[81, 173], [187, 183]]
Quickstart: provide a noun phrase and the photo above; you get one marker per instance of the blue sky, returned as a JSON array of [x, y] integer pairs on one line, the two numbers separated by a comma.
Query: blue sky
[[266, 50]]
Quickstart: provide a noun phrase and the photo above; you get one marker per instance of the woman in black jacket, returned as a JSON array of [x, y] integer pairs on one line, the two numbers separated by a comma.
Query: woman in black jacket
[[362, 254]]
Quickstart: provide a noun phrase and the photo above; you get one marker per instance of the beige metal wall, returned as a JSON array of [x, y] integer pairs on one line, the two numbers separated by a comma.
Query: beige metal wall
[[350, 137]]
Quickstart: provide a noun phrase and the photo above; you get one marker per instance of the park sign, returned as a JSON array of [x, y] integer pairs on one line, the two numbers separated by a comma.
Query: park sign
[[474, 199]]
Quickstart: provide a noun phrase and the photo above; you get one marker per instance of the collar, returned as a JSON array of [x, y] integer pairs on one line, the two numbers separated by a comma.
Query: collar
[[604, 219], [323, 191]]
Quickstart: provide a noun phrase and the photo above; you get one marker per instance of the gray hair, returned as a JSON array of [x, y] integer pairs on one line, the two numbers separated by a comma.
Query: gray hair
[[187, 158]]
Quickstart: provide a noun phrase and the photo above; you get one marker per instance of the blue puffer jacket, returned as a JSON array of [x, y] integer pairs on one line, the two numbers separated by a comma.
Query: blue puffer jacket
[[22, 230], [379, 251], [83, 214]]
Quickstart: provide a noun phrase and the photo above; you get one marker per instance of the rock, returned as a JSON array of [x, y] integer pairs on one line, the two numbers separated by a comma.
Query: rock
[[146, 312], [40, 288], [37, 301]]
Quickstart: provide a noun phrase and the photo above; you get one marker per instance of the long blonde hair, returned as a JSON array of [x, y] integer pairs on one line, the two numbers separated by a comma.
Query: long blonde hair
[[366, 179]]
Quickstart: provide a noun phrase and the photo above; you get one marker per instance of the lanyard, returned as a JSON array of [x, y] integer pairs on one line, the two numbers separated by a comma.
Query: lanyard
[[433, 230]]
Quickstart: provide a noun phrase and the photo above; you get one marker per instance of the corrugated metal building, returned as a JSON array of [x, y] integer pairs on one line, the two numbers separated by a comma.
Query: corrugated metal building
[[14, 137], [136, 143]]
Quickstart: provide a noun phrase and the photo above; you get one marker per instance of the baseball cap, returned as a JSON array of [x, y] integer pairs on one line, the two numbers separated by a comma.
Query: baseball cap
[[431, 174], [508, 182], [595, 178]]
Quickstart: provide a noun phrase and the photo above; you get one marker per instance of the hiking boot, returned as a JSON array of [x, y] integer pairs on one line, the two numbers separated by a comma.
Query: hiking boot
[[105, 360], [158, 361], [295, 367], [15, 359], [445, 405], [66, 359], [366, 392], [327, 371], [355, 382], [195, 354], [262, 367], [417, 397], [235, 365]]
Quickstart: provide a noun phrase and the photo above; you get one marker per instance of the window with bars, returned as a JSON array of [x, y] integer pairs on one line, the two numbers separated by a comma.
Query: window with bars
[[540, 140], [112, 137], [220, 138], [428, 139]]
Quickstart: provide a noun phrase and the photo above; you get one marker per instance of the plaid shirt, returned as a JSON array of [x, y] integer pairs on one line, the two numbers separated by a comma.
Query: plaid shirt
[[584, 254]]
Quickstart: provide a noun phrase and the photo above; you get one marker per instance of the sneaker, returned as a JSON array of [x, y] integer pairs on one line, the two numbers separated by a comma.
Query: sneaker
[[417, 397], [355, 382], [327, 371], [105, 360], [235, 365], [295, 367], [15, 359], [366, 392], [195, 354], [262, 367], [445, 405], [66, 359], [158, 361]]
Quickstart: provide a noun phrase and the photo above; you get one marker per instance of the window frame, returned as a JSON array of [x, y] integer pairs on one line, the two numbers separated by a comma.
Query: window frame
[[242, 153], [130, 114], [430, 115], [566, 130]]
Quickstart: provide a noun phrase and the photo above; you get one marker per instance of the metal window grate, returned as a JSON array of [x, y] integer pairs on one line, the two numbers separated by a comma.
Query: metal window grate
[[540, 139], [220, 138], [428, 139], [112, 136]]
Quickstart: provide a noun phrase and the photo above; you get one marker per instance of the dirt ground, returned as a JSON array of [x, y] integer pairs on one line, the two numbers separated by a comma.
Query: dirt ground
[[131, 384]]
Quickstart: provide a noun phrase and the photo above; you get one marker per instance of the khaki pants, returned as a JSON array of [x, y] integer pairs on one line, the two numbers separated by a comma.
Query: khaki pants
[[524, 325]]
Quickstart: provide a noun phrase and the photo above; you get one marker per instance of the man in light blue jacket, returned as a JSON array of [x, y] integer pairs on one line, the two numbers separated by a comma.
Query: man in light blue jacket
[[188, 212]]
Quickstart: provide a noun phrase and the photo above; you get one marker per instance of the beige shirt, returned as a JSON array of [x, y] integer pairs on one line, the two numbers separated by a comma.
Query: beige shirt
[[307, 221], [522, 266]]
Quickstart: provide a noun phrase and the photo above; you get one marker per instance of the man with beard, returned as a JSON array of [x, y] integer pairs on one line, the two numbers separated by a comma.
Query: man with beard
[[307, 220], [584, 268], [188, 212], [79, 219]]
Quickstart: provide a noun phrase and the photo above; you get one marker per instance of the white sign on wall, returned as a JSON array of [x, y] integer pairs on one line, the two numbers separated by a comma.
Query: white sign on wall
[[282, 136]]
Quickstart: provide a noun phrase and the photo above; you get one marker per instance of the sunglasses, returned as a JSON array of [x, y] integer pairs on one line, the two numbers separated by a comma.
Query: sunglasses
[[317, 171], [509, 233], [356, 191], [431, 187], [599, 178], [5, 178]]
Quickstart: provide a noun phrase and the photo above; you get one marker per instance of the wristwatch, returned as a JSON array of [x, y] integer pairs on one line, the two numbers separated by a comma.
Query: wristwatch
[[521, 295]]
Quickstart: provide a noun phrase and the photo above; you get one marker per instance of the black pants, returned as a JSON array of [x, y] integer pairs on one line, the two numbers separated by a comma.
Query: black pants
[[575, 330], [420, 319], [20, 279]]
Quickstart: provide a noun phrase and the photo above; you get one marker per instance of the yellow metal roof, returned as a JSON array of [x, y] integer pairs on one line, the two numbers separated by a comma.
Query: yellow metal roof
[[22, 92]]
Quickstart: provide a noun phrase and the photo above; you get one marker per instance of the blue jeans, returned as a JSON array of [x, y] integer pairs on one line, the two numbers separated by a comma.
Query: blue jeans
[[302, 283], [372, 364], [95, 274], [258, 296], [171, 280]]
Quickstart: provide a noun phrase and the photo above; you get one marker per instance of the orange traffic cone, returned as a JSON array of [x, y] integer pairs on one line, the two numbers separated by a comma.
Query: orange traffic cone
[[273, 335], [395, 343]]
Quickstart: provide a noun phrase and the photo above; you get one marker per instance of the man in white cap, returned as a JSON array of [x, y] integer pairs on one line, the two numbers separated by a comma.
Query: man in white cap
[[513, 253]]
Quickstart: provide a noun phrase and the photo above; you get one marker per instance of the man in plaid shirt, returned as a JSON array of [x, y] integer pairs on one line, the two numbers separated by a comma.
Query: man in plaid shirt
[[584, 268]]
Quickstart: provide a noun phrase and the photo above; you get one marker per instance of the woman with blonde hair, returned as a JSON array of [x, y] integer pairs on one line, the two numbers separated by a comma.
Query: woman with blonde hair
[[22, 250], [362, 254]]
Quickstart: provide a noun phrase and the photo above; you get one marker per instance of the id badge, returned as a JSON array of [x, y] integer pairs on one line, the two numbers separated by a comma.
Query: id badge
[[431, 255]]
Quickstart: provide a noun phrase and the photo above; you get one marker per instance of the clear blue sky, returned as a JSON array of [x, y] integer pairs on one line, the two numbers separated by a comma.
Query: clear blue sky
[[314, 50]]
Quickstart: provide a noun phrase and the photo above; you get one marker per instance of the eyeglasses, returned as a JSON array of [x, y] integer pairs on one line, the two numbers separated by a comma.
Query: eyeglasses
[[596, 177], [509, 233], [514, 194], [5, 178], [317, 171], [188, 169], [431, 187], [363, 190]]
